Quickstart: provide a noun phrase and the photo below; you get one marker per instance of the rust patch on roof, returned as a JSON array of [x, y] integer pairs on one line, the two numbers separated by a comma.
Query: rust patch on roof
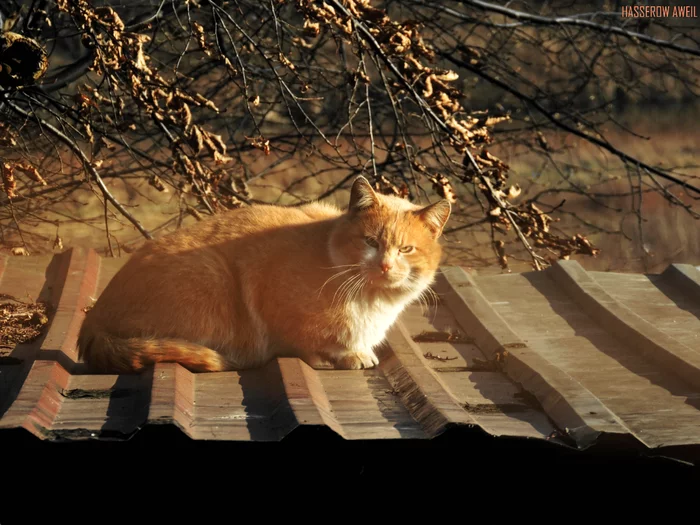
[[563, 355]]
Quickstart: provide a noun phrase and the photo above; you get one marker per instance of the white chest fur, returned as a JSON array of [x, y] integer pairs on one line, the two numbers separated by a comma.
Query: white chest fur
[[369, 321]]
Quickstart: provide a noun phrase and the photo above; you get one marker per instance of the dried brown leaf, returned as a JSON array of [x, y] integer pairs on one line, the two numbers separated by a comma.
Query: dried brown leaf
[[443, 187], [444, 336], [196, 139], [500, 247], [260, 143], [8, 180], [204, 100], [514, 192], [286, 62], [311, 29], [216, 142], [157, 183], [107, 143], [430, 355], [32, 172]]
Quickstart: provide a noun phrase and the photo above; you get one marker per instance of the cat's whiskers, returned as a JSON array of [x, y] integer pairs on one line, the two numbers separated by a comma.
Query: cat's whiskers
[[437, 301], [356, 290], [434, 295], [422, 303], [347, 284], [350, 289], [430, 294], [426, 296], [341, 287], [343, 272]]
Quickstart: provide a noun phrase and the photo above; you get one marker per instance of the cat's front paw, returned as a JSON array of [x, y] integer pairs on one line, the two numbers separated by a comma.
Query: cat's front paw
[[356, 360]]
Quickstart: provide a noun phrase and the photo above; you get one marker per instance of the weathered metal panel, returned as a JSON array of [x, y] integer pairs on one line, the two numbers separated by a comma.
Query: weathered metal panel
[[570, 405], [629, 328], [563, 355], [646, 399]]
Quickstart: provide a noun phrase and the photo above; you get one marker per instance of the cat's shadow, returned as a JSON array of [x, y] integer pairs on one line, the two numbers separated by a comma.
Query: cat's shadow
[[269, 416]]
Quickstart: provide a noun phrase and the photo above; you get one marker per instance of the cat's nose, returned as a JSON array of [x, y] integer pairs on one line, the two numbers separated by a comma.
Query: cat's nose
[[386, 266]]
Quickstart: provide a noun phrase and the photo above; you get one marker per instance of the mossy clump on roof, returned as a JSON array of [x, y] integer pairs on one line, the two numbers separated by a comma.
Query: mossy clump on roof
[[21, 322]]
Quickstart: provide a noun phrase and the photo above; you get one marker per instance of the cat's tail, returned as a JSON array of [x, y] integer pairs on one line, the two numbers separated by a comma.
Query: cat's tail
[[106, 353]]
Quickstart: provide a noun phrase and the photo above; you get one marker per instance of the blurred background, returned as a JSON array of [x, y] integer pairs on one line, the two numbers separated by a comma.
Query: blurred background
[[557, 128]]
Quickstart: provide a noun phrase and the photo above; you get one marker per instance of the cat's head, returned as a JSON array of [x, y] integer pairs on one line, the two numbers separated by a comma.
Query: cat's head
[[394, 242]]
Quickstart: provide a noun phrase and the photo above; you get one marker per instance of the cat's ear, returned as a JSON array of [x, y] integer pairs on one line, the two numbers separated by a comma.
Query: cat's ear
[[435, 216], [362, 195]]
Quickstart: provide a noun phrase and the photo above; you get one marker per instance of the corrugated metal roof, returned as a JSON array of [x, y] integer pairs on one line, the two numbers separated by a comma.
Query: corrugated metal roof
[[563, 355]]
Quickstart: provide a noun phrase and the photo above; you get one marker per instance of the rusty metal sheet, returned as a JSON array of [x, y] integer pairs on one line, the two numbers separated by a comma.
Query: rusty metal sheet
[[562, 355]]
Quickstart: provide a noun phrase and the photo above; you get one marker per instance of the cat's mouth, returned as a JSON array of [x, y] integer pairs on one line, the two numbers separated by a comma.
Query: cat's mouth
[[386, 279]]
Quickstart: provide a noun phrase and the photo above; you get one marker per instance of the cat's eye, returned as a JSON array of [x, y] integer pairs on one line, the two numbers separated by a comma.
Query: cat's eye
[[406, 249], [371, 241]]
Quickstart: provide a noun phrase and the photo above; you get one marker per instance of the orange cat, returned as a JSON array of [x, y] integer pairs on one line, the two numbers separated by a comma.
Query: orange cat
[[256, 283]]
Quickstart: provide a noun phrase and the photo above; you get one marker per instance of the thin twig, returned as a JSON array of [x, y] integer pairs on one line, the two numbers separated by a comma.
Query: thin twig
[[558, 123], [87, 165]]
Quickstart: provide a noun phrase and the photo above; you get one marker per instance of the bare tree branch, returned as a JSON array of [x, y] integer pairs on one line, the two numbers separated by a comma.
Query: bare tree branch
[[87, 165], [528, 18]]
